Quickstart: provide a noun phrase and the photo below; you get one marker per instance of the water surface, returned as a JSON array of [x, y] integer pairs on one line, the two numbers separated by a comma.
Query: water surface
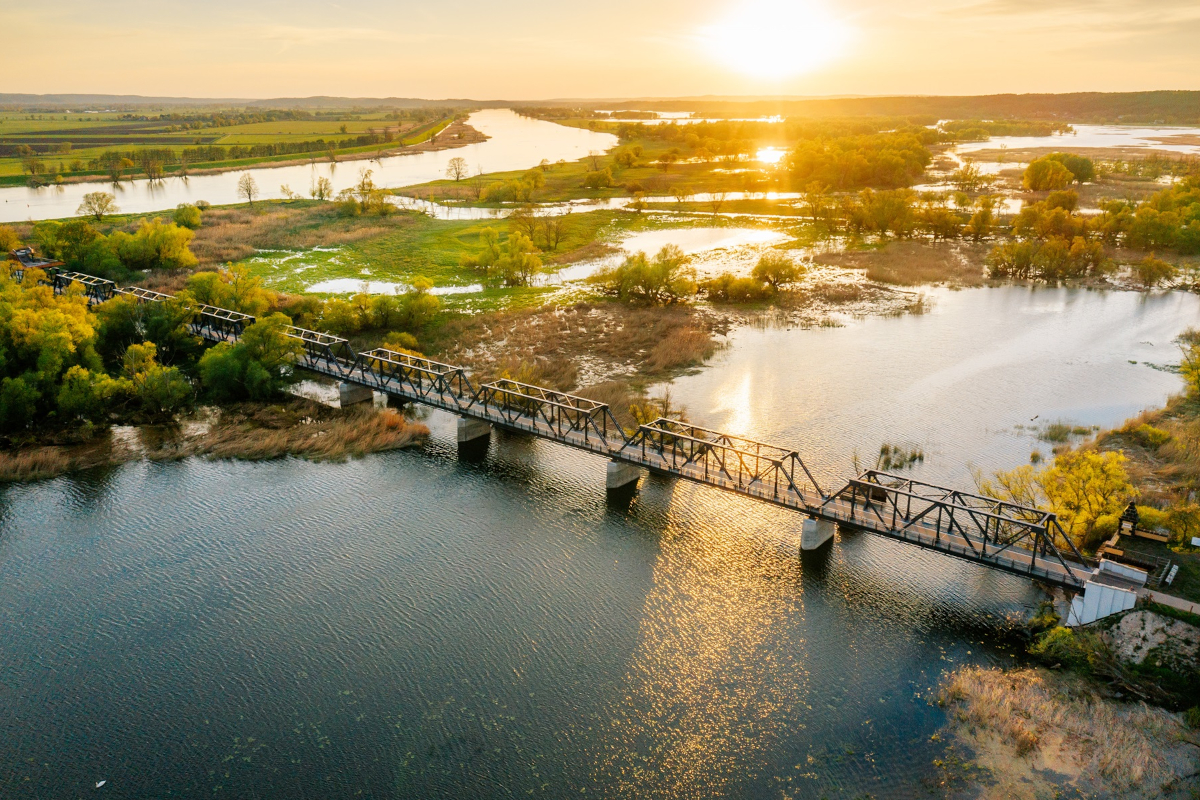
[[411, 625]]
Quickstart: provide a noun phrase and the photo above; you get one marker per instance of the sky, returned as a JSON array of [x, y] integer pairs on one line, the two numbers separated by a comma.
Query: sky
[[543, 49]]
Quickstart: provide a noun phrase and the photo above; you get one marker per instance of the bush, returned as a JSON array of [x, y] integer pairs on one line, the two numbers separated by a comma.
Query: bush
[[598, 179], [257, 367], [777, 270], [728, 288], [187, 216], [1150, 436], [1063, 646], [663, 279]]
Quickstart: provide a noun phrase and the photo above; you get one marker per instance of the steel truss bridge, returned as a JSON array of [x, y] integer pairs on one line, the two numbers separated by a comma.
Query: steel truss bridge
[[1013, 538]]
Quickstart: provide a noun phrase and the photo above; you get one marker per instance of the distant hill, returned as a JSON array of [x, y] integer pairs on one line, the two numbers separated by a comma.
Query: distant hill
[[1170, 107], [141, 103]]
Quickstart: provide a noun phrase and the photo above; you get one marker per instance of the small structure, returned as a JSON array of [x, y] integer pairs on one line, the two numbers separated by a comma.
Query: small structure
[[1113, 588], [1129, 519]]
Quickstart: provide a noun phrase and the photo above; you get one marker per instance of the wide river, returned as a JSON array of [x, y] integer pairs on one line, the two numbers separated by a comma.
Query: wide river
[[516, 143], [410, 625]]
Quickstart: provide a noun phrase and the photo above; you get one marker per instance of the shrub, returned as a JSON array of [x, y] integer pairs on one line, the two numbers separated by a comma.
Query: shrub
[[728, 288], [187, 216], [1192, 717], [1063, 646], [777, 270], [660, 280]]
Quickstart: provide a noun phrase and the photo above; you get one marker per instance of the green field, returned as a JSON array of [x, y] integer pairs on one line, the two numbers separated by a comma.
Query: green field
[[47, 148]]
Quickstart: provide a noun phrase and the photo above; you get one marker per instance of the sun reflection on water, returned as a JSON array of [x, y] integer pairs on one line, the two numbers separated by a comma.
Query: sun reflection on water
[[705, 700]]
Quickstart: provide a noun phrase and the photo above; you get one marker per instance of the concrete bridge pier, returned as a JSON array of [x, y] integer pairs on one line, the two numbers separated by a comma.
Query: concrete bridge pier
[[350, 394], [621, 475], [816, 532], [472, 430]]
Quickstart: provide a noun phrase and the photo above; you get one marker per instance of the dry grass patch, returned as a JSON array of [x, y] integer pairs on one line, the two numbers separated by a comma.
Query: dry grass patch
[[915, 263], [235, 232], [582, 344], [1029, 724], [298, 428], [39, 463]]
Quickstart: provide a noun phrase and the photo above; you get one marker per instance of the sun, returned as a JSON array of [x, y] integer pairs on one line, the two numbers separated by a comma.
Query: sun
[[776, 39]]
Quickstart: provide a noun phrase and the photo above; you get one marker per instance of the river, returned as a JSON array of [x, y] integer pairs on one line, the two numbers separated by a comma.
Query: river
[[516, 143], [409, 625]]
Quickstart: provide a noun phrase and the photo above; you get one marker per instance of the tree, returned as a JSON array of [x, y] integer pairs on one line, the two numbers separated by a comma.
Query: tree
[[257, 367], [321, 189], [98, 205], [776, 270], [1046, 173], [1151, 271], [1080, 487], [519, 263], [664, 279], [457, 168], [159, 389], [247, 187]]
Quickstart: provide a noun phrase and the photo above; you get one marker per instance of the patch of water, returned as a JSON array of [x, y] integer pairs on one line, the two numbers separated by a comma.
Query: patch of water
[[357, 285]]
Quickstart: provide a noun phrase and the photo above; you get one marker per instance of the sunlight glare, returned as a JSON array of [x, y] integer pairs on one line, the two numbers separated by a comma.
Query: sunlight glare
[[777, 39]]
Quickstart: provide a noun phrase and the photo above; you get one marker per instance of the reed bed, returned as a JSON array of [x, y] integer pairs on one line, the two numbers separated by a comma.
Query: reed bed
[[1127, 745]]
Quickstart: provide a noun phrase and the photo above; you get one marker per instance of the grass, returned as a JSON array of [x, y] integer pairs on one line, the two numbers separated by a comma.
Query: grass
[[248, 431], [565, 181], [39, 463], [1057, 721], [606, 341], [260, 433], [125, 135], [916, 263]]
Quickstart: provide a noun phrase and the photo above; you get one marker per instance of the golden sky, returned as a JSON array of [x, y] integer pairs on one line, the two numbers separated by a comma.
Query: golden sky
[[539, 49]]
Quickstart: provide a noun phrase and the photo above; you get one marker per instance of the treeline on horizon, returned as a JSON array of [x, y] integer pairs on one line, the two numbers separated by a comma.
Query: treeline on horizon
[[1167, 107]]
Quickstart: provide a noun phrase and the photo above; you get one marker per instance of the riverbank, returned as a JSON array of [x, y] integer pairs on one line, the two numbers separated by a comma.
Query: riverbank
[[1033, 733], [246, 432], [443, 135]]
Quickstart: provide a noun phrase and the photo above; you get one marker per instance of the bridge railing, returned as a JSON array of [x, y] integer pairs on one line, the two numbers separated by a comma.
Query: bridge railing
[[323, 352], [745, 463], [562, 413], [414, 376], [143, 295], [987, 526], [220, 324], [97, 289]]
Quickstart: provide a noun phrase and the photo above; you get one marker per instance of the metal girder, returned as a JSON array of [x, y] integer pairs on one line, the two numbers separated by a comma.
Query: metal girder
[[444, 385], [219, 324], [331, 354], [744, 462], [144, 295], [991, 529], [97, 289], [560, 412]]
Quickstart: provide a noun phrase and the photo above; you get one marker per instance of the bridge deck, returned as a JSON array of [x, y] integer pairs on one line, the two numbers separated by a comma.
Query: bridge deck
[[1015, 539]]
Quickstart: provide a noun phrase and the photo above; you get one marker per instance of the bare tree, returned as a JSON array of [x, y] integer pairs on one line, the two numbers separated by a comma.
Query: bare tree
[[321, 189], [716, 201], [457, 168], [554, 230], [247, 188], [98, 205]]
